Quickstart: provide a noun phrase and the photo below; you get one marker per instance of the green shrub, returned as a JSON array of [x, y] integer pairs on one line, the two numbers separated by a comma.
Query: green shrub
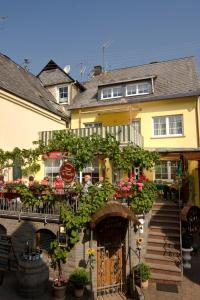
[[143, 271], [142, 202], [79, 278]]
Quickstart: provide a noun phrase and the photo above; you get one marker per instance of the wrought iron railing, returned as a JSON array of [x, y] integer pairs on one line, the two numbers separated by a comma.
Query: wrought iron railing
[[124, 133]]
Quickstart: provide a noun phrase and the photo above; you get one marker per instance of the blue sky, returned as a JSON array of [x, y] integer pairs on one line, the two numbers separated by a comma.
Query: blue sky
[[73, 32]]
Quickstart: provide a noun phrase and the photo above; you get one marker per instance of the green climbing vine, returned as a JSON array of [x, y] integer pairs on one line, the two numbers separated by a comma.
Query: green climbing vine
[[96, 197], [83, 149]]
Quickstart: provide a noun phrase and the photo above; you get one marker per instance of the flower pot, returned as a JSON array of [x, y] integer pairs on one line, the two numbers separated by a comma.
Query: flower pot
[[145, 284], [187, 257], [79, 292], [59, 292]]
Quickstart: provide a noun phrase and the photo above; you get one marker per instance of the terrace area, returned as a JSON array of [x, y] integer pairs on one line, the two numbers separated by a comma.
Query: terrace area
[[124, 133]]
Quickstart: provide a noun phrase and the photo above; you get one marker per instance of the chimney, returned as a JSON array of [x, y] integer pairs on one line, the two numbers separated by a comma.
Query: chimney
[[97, 70]]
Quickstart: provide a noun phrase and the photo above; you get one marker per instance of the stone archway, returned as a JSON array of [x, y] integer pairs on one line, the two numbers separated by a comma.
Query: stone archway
[[110, 225], [44, 237]]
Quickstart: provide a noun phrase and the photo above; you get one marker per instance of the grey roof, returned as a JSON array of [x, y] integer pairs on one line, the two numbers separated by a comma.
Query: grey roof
[[16, 80], [52, 74], [172, 79]]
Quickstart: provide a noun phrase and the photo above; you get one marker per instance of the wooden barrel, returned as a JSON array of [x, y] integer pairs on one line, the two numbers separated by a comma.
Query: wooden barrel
[[32, 278]]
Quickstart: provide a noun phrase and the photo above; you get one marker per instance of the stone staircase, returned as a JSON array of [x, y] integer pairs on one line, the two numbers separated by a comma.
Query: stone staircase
[[8, 260], [163, 244]]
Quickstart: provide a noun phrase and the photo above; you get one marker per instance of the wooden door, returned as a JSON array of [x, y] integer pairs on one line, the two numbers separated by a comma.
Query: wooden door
[[111, 264]]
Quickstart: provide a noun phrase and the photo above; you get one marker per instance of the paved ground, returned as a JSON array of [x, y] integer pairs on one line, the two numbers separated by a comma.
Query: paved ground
[[190, 289]]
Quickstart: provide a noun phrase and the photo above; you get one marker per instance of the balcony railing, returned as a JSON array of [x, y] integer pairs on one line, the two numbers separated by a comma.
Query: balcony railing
[[45, 211], [124, 133]]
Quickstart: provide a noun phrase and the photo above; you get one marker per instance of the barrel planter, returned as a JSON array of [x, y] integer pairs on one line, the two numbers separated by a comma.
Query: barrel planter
[[32, 278]]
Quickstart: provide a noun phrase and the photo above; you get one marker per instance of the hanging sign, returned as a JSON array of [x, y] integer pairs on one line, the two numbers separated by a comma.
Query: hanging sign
[[67, 171]]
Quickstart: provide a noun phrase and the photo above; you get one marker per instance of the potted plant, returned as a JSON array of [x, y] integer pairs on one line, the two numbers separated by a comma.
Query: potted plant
[[187, 249], [79, 278], [142, 275], [58, 257]]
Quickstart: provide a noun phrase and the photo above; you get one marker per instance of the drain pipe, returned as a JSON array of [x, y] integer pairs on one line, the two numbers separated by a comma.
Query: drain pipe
[[197, 121]]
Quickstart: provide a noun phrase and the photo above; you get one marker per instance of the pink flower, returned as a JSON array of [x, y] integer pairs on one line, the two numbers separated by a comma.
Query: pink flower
[[140, 189], [140, 184]]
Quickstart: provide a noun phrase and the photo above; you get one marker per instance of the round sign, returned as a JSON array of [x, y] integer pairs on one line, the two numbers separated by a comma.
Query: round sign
[[67, 171]]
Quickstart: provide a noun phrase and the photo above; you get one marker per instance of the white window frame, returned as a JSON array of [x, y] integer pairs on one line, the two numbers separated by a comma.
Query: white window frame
[[58, 94], [112, 88], [167, 126], [169, 173], [51, 169], [136, 84]]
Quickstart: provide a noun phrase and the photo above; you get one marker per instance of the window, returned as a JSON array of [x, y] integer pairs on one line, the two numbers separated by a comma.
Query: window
[[63, 94], [52, 168], [93, 125], [111, 92], [168, 125], [140, 88], [92, 169], [166, 170]]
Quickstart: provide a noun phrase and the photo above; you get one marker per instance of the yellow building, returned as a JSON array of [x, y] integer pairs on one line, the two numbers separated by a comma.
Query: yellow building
[[154, 105], [27, 107]]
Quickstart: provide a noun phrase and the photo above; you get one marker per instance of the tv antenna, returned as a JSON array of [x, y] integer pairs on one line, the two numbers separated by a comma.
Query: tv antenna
[[67, 69], [3, 18], [82, 70], [104, 46], [26, 64]]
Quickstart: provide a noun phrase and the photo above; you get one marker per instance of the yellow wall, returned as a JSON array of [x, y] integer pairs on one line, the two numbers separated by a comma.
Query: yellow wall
[[145, 112], [194, 182], [21, 122]]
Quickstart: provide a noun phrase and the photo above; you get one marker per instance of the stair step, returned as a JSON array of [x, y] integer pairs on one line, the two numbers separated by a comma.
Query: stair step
[[166, 203], [165, 269], [166, 206], [164, 229], [164, 235], [162, 243], [162, 259], [4, 255], [5, 242], [172, 211], [164, 216], [161, 223], [164, 278], [163, 251], [169, 221]]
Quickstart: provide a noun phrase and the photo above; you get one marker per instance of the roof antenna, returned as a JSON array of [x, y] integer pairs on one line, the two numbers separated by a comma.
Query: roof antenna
[[26, 64], [82, 70], [105, 46], [3, 18]]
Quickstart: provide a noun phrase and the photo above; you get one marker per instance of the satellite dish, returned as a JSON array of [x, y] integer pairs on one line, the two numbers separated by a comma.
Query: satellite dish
[[67, 69]]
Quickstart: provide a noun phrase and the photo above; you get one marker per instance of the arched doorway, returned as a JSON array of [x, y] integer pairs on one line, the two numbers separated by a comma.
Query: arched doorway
[[111, 255], [44, 237]]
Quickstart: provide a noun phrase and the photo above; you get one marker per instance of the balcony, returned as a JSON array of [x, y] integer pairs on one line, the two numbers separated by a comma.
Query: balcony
[[124, 134], [47, 212]]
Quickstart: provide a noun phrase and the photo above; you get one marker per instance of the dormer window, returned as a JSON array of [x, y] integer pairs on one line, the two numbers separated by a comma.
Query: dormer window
[[139, 88], [111, 92], [63, 94]]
